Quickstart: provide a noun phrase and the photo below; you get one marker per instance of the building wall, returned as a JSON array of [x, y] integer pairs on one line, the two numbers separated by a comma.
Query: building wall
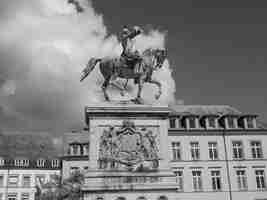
[[71, 165], [20, 189], [205, 165]]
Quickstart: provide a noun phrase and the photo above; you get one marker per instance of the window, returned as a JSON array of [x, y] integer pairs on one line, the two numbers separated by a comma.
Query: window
[[192, 122], [179, 180], [197, 182], [231, 122], [213, 150], [241, 180], [256, 149], [260, 179], [55, 163], [86, 149], [40, 163], [216, 180], [195, 151], [22, 163], [2, 162], [99, 198], [13, 180], [113, 165], [25, 196], [141, 198], [211, 122], [12, 196], [1, 180], [238, 150], [172, 122], [162, 198], [40, 177], [250, 122], [176, 151], [102, 164], [74, 170], [75, 149], [26, 181]]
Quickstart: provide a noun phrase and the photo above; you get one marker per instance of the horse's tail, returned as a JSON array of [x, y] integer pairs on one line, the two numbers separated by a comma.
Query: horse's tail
[[89, 67]]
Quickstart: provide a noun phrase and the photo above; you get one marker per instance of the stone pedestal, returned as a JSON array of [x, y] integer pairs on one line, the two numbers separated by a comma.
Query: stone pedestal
[[116, 174]]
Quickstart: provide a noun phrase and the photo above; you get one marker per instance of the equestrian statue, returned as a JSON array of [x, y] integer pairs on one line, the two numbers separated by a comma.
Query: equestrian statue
[[130, 65]]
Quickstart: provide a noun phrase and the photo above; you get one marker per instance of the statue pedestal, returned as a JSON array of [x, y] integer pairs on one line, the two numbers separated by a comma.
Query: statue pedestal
[[123, 137]]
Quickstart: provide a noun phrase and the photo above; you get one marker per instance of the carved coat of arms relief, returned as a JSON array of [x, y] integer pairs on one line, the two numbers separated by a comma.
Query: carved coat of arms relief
[[135, 148]]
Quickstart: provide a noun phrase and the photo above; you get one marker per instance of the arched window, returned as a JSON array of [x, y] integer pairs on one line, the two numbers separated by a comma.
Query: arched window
[[162, 198]]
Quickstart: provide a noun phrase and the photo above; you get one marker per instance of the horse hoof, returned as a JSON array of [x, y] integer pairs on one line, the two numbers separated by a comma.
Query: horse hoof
[[157, 96], [107, 98], [122, 94], [138, 100]]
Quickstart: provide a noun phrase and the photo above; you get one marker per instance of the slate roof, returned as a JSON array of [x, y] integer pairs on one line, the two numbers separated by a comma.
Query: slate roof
[[202, 110], [32, 146]]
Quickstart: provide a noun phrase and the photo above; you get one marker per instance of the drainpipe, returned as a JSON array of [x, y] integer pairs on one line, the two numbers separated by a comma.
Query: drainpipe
[[227, 166]]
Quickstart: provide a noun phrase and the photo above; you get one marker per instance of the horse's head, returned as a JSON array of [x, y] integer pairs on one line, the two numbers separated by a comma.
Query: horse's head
[[160, 56]]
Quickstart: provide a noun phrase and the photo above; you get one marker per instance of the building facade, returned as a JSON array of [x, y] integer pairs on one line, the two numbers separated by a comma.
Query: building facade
[[76, 153], [147, 152], [18, 178], [205, 152], [218, 152], [25, 158]]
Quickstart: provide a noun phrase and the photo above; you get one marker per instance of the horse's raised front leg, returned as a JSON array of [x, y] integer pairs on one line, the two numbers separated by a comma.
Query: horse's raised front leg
[[104, 88], [157, 83]]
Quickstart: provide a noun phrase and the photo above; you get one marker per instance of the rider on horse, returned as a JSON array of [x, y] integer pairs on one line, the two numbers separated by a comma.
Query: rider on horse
[[129, 57]]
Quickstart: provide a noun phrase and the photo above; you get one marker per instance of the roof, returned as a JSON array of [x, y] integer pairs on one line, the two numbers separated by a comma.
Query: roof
[[202, 110], [32, 146]]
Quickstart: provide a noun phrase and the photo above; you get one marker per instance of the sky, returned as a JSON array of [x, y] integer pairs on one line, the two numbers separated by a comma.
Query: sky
[[216, 55], [217, 49]]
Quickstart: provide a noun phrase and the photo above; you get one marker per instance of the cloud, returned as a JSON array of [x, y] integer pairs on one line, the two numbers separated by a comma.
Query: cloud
[[44, 45]]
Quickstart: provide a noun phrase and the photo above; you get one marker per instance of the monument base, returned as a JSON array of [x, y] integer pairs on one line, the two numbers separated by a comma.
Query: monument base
[[128, 135]]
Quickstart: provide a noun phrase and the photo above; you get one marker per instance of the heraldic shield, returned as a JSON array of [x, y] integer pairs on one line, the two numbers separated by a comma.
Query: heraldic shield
[[128, 146]]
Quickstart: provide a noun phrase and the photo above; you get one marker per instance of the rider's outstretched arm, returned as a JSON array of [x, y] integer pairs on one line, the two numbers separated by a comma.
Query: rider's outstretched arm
[[135, 32]]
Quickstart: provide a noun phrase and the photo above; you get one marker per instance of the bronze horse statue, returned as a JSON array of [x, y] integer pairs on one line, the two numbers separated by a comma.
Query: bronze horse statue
[[112, 68]]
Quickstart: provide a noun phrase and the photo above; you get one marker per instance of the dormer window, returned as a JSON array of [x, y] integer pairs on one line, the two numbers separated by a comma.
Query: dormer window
[[211, 122], [40, 163], [231, 122], [250, 122], [55, 163], [2, 162], [192, 122], [22, 163], [172, 122], [85, 149], [75, 149]]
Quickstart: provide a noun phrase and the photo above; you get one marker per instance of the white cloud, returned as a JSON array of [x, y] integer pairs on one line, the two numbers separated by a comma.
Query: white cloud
[[48, 44]]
